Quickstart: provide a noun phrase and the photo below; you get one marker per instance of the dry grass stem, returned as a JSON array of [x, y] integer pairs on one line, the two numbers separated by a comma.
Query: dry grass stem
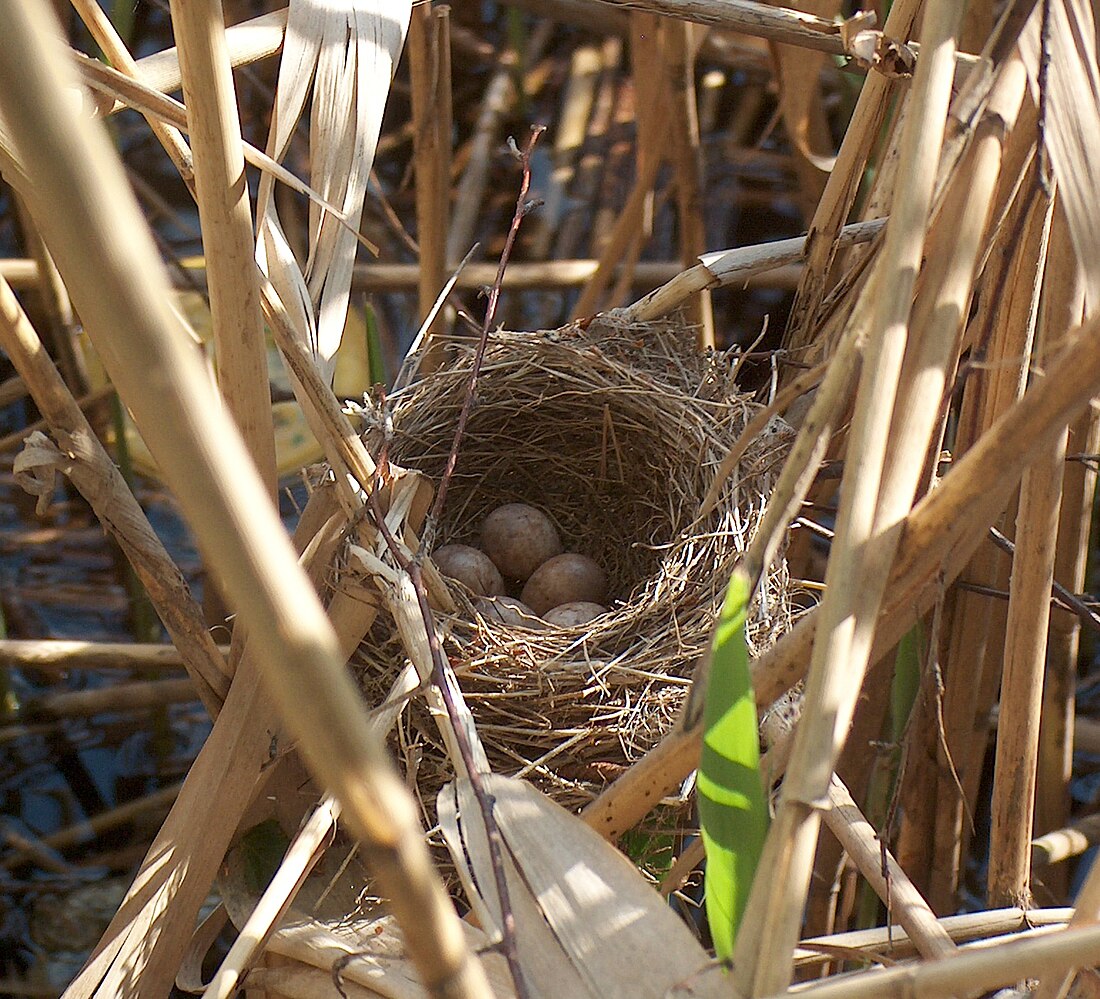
[[727, 267], [59, 655], [225, 214], [429, 47], [94, 473], [893, 887], [81, 201]]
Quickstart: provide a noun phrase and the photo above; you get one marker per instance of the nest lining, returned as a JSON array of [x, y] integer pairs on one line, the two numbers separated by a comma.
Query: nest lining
[[614, 432]]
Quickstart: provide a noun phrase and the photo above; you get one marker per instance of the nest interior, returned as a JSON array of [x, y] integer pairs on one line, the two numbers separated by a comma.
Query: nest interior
[[615, 432]]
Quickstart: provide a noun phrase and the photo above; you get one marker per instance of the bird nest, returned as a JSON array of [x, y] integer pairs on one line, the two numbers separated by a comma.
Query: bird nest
[[616, 433]]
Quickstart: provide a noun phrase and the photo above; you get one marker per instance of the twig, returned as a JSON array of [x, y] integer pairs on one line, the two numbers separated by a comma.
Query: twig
[[441, 674], [441, 679], [523, 206], [1067, 599]]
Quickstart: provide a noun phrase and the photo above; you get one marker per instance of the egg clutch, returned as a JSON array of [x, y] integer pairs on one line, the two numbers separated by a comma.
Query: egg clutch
[[521, 550]]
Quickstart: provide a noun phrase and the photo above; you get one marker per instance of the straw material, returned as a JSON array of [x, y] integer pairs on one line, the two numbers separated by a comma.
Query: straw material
[[616, 432]]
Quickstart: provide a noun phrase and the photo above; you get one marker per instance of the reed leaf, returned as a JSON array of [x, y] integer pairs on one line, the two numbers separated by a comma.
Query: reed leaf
[[733, 814], [340, 60]]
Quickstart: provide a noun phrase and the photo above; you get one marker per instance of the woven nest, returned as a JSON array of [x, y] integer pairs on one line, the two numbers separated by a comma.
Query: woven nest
[[616, 433]]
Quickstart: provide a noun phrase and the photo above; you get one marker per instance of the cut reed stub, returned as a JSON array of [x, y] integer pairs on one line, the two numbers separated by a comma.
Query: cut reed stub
[[615, 432]]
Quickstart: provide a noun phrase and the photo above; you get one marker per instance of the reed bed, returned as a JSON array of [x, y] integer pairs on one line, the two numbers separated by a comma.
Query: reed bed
[[917, 447]]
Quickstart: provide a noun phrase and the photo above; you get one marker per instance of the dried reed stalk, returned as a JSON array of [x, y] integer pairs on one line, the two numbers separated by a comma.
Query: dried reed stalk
[[726, 267], [1014, 786], [1065, 843], [140, 695], [1063, 304], [865, 539], [892, 940], [882, 872], [248, 42], [968, 973], [49, 655], [975, 636], [103, 31], [1085, 913], [429, 46], [779, 24], [681, 41], [225, 215], [84, 208], [843, 183], [95, 475]]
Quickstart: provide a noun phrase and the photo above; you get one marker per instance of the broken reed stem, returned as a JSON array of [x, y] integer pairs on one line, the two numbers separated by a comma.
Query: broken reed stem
[[93, 226], [225, 215], [429, 49], [726, 267], [881, 870], [100, 482], [523, 206]]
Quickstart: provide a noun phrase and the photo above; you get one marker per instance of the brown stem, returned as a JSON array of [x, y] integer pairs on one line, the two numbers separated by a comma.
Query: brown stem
[[523, 206], [441, 678]]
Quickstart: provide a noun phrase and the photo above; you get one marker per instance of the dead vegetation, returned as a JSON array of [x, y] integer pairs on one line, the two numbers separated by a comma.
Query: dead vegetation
[[932, 392]]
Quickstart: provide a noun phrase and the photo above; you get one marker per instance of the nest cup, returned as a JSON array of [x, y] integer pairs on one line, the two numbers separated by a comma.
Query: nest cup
[[616, 433]]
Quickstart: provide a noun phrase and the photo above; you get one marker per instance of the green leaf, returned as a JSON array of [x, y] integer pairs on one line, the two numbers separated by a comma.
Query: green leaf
[[732, 811]]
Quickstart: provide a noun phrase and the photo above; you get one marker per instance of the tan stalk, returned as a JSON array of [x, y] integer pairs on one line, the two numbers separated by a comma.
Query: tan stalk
[[100, 482], [1014, 787], [103, 31], [248, 42], [889, 881], [937, 540], [864, 544], [969, 973], [681, 42], [779, 24], [1086, 913], [978, 623], [725, 267], [1063, 295], [55, 655], [429, 46], [843, 184], [625, 230], [226, 217], [1065, 843], [139, 695], [892, 939], [103, 249]]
